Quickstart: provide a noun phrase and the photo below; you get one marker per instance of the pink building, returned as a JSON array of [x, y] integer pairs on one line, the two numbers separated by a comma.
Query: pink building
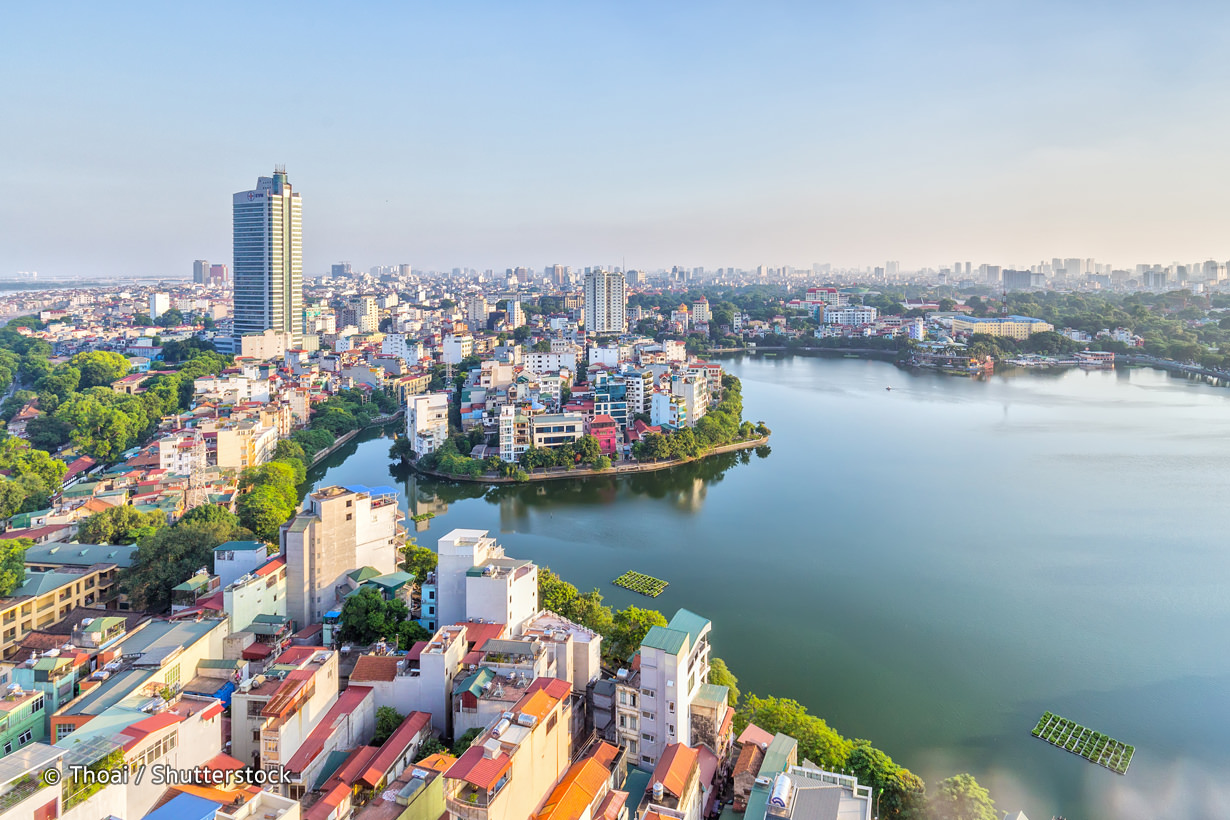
[[604, 428]]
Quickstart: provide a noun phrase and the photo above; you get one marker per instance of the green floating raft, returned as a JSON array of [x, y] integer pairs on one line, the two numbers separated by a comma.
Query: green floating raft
[[1084, 742], [639, 582]]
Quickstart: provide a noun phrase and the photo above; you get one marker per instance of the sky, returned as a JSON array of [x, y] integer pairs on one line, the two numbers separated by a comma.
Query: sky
[[492, 135]]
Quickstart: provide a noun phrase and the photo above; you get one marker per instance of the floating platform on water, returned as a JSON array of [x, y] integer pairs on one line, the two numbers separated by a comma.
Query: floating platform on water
[[642, 583], [1084, 742]]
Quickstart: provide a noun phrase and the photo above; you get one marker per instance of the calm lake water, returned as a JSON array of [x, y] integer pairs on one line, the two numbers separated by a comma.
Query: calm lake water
[[934, 566]]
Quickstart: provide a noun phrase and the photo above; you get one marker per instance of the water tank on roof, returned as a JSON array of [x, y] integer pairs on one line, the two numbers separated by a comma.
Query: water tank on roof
[[779, 796], [500, 728], [658, 790]]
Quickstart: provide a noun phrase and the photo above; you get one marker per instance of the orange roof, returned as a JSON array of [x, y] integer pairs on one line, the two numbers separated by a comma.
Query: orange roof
[[611, 807], [403, 736], [606, 754], [539, 704], [580, 786], [675, 767], [439, 762], [147, 726]]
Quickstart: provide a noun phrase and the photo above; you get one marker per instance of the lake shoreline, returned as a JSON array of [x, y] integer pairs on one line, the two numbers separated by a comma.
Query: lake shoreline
[[634, 468]]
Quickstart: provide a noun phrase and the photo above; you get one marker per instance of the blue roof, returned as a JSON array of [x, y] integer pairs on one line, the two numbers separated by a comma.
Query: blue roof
[[374, 492], [184, 806]]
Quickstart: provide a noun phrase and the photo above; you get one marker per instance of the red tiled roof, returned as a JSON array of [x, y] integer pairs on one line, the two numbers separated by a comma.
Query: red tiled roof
[[611, 806], [356, 764], [374, 668], [347, 702], [476, 768], [145, 727], [256, 651], [222, 762], [212, 711], [401, 739], [754, 734], [298, 654], [416, 651], [478, 634]]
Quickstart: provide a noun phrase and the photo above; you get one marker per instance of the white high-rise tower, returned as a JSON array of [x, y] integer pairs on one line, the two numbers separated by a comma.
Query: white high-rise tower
[[268, 269], [606, 301]]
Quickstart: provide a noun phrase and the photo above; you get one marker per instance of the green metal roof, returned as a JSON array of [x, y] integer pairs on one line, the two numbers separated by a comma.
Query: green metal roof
[[363, 574], [38, 583], [102, 624], [712, 693], [687, 621], [393, 581], [474, 683], [239, 546], [668, 640], [777, 756]]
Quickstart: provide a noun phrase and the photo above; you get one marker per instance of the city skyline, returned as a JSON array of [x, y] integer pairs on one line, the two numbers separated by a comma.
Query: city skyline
[[695, 136]]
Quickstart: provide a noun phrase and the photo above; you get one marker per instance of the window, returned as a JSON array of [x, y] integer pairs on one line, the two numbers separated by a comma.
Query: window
[[8, 747], [647, 738], [25, 736], [670, 706], [670, 729], [37, 705], [349, 516]]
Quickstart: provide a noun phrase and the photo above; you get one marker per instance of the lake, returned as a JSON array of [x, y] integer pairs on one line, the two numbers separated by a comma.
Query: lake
[[934, 566]]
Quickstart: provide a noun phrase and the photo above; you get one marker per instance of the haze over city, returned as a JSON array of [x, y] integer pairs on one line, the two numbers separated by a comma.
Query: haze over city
[[633, 134]]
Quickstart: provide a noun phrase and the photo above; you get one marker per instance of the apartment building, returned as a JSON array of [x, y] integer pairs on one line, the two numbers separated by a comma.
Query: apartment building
[[340, 529], [513, 766], [47, 597], [1013, 327], [273, 713], [427, 422], [476, 581], [556, 429], [419, 680], [454, 348], [514, 433]]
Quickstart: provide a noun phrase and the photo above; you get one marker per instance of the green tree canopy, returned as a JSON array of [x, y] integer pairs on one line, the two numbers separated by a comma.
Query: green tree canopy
[[720, 675], [367, 618], [13, 563], [119, 525], [418, 561], [173, 554], [961, 798], [99, 368], [629, 628], [387, 721]]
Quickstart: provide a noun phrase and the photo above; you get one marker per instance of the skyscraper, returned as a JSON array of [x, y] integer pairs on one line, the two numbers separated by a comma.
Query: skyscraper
[[606, 299], [268, 265], [200, 272]]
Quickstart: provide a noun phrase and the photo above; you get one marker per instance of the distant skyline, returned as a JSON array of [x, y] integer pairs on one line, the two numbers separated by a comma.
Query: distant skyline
[[723, 134]]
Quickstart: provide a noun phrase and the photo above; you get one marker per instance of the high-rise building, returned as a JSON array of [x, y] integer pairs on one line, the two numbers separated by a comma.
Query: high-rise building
[[340, 269], [219, 275], [159, 303], [268, 258], [606, 299], [200, 272]]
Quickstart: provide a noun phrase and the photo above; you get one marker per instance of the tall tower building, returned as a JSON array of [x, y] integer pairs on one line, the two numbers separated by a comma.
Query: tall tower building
[[606, 299], [268, 267], [200, 272]]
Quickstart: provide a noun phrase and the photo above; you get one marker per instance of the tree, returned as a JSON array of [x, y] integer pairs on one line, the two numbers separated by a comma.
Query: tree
[[288, 449], [961, 798], [367, 617], [587, 448], [900, 790], [387, 721], [46, 432], [212, 515], [263, 510], [418, 561], [170, 318], [817, 742], [431, 746], [119, 525], [629, 628], [720, 675], [465, 741], [172, 555], [99, 368], [12, 496], [13, 563]]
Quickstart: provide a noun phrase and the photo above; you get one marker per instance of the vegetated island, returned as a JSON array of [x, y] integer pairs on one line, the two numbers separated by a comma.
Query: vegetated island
[[721, 430], [1084, 742]]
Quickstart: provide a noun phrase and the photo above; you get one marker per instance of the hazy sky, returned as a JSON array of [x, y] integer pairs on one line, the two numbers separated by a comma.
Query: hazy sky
[[502, 134]]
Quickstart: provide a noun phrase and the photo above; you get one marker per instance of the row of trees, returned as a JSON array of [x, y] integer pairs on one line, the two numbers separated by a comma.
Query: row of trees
[[585, 451]]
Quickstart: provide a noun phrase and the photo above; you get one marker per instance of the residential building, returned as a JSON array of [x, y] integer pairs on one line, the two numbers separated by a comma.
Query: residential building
[[159, 303], [340, 528], [422, 679], [454, 348], [513, 766], [401, 346], [268, 263], [514, 433], [47, 597], [556, 429], [606, 302], [476, 581], [200, 272], [1013, 327], [849, 314], [674, 665], [427, 422], [675, 788], [23, 719], [273, 714]]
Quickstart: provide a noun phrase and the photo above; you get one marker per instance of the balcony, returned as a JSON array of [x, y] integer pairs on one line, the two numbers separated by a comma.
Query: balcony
[[469, 803]]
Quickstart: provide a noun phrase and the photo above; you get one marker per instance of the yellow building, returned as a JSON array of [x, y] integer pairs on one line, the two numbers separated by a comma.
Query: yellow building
[[1013, 327], [46, 597]]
